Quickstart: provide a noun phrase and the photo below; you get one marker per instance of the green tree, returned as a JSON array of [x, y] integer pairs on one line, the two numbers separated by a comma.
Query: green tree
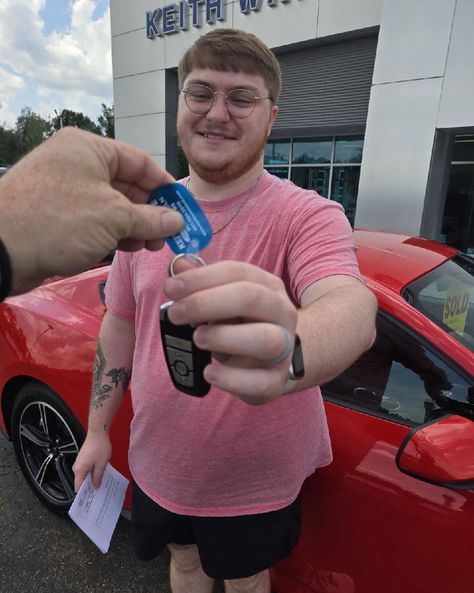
[[9, 146], [31, 129], [106, 121], [77, 119]]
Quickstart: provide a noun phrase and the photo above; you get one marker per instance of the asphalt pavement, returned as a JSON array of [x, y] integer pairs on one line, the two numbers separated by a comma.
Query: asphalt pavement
[[41, 552]]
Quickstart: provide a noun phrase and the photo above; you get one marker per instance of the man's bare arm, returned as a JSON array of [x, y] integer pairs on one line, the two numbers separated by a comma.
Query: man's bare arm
[[112, 372], [110, 378], [336, 324]]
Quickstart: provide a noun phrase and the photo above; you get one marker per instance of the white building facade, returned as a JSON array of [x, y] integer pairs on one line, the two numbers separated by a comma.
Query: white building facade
[[377, 108]]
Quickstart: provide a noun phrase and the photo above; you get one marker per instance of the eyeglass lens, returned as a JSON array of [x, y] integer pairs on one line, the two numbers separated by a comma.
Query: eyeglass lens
[[200, 98]]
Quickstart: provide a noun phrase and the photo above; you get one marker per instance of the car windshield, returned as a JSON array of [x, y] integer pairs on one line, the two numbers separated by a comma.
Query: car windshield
[[446, 296]]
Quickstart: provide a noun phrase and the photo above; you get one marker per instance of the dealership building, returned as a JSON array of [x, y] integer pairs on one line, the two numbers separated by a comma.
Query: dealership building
[[377, 107]]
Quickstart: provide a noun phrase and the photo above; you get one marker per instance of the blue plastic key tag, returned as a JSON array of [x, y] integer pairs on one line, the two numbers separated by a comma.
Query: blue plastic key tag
[[197, 232]]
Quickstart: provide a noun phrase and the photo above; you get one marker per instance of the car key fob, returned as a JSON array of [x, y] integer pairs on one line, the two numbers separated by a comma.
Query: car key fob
[[186, 362]]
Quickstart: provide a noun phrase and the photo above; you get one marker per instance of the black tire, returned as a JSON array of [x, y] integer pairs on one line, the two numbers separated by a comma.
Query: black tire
[[46, 437]]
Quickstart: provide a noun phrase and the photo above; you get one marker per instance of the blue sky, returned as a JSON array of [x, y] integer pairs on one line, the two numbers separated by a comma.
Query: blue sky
[[54, 54], [57, 14]]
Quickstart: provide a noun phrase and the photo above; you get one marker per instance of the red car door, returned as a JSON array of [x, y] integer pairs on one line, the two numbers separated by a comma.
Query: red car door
[[366, 526]]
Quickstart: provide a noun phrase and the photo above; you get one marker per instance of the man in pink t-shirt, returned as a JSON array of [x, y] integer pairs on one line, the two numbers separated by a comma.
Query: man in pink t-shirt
[[217, 478]]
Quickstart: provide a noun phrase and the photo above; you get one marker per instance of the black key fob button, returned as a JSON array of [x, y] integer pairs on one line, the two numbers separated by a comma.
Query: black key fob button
[[186, 362]]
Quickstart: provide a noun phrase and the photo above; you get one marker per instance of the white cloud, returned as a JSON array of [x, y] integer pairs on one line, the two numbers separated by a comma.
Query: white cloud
[[10, 85], [70, 69]]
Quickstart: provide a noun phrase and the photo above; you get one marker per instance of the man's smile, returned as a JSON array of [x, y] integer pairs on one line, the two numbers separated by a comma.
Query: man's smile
[[216, 136]]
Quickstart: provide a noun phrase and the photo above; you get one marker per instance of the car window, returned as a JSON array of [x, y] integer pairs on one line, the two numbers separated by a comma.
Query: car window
[[402, 379], [446, 296]]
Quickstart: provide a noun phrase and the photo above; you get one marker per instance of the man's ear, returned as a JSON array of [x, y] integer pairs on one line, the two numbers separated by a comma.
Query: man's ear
[[273, 115]]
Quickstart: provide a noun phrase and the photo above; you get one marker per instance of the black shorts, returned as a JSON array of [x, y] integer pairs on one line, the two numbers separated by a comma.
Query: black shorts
[[229, 547]]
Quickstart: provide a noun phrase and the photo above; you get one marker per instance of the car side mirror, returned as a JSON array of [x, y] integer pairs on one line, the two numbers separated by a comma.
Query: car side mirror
[[441, 452]]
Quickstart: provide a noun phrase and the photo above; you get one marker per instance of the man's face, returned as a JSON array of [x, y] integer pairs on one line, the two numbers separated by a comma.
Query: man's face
[[220, 147]]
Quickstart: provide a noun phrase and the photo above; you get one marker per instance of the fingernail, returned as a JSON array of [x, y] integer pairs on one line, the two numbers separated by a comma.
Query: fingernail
[[202, 335], [210, 374], [171, 222], [177, 312]]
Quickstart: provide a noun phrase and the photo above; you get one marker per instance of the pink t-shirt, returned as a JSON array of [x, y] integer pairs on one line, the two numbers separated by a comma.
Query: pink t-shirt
[[217, 456]]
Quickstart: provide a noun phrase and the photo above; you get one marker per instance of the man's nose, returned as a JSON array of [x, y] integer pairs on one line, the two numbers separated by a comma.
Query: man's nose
[[218, 110]]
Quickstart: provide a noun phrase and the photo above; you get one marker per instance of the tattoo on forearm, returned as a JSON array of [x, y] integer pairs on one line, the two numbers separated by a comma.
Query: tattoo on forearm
[[100, 395], [118, 376], [99, 365]]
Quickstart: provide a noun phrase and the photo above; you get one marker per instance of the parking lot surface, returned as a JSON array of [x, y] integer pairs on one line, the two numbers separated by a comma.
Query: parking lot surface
[[41, 552]]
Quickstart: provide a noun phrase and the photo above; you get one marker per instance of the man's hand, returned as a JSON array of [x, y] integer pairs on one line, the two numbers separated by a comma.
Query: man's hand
[[251, 322], [92, 458], [72, 200]]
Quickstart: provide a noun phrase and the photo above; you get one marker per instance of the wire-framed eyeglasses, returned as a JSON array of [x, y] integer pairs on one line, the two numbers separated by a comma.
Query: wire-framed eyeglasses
[[240, 102]]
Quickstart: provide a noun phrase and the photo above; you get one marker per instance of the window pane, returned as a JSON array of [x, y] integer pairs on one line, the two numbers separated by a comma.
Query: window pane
[[349, 149], [344, 188], [446, 296], [464, 148], [458, 216], [276, 152], [316, 178], [399, 378], [312, 151], [281, 172]]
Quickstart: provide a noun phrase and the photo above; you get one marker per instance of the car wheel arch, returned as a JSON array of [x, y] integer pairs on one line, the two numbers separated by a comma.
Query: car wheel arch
[[10, 390]]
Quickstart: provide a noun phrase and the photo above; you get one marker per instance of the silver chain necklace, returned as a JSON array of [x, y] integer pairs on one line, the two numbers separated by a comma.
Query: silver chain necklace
[[252, 192]]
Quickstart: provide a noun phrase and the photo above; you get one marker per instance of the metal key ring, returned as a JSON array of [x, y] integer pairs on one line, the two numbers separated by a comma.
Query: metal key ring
[[191, 256]]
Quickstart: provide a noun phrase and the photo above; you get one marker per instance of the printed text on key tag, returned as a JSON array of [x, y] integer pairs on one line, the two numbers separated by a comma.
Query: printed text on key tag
[[196, 232]]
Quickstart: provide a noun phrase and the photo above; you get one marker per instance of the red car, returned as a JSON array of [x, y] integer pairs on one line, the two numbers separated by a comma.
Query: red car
[[394, 512]]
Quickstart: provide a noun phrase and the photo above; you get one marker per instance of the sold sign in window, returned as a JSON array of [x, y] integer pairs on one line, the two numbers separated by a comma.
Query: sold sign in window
[[456, 307]]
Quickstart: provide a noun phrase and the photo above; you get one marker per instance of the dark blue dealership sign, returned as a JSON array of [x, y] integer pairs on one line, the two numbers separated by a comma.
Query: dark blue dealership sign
[[175, 17]]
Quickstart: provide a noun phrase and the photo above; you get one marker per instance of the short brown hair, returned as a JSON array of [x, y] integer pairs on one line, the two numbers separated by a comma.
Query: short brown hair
[[232, 50]]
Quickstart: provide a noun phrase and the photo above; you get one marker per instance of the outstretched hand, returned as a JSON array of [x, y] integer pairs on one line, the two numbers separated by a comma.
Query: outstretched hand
[[245, 318], [74, 199]]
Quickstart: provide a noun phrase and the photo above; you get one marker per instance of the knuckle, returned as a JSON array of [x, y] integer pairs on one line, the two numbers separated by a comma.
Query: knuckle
[[290, 309], [252, 295], [279, 284], [198, 308], [123, 208], [128, 219], [66, 134], [270, 390], [275, 340]]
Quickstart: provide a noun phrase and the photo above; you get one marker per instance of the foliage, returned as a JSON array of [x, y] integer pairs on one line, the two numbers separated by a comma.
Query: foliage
[[74, 118], [9, 147], [31, 129], [106, 121]]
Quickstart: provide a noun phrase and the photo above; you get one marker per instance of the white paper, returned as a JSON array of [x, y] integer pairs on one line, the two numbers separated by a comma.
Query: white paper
[[96, 512]]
